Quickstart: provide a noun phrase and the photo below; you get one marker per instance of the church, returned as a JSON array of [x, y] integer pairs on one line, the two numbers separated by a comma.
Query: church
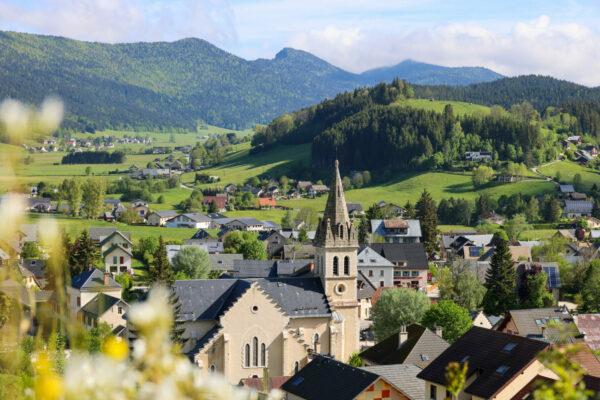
[[238, 327]]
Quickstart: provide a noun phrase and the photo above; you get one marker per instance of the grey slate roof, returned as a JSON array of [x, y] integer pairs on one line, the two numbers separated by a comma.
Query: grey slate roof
[[36, 267], [575, 206], [90, 279], [208, 299], [566, 189], [98, 233], [202, 234], [223, 262], [101, 303], [485, 349], [421, 342], [366, 288], [198, 217], [166, 213], [115, 247], [268, 268], [413, 230], [325, 378], [367, 257], [104, 240], [412, 253], [403, 377]]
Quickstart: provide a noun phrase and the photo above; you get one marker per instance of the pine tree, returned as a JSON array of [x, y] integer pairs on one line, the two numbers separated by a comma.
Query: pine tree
[[160, 273], [363, 230], [500, 281], [213, 208], [83, 254], [427, 214], [596, 209], [411, 213]]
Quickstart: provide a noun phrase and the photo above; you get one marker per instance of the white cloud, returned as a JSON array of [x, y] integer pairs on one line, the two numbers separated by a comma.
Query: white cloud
[[567, 51], [124, 20]]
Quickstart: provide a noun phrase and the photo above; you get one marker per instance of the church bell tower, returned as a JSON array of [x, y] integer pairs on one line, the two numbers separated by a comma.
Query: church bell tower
[[336, 245]]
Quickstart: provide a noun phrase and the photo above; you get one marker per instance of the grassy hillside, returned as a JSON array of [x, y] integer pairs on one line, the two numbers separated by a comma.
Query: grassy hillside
[[459, 107], [568, 169]]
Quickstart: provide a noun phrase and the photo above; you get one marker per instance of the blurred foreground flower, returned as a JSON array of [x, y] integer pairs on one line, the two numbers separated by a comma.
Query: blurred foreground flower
[[154, 370]]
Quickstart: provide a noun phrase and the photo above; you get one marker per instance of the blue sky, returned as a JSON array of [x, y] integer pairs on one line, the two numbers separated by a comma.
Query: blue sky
[[558, 38]]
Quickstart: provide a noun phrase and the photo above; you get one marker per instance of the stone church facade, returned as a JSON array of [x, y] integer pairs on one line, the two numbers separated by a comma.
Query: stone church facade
[[238, 327]]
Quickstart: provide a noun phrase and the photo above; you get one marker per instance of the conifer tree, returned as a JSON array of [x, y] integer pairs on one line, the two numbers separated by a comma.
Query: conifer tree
[[363, 230], [427, 214], [500, 281], [83, 254], [160, 273], [411, 213]]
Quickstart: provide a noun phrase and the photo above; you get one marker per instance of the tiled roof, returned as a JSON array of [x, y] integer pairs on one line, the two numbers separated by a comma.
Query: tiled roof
[[566, 188], [395, 223], [223, 262], [413, 228], [421, 347], [119, 233], [578, 206], [403, 377], [275, 382], [325, 378], [498, 357], [589, 324]]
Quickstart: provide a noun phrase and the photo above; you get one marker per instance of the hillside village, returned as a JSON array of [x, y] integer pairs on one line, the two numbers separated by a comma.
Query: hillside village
[[397, 241], [319, 285]]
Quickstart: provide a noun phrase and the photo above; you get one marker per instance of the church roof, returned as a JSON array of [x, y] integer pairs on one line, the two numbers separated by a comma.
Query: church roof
[[209, 299]]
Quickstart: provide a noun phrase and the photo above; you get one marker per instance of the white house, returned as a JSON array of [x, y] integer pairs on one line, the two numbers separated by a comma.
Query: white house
[[397, 231], [375, 267], [241, 224], [117, 259], [115, 238], [190, 220], [160, 218], [104, 308]]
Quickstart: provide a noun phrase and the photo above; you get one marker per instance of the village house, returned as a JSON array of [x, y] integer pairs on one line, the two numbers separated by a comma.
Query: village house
[[190, 220], [397, 231], [410, 263], [354, 209], [160, 218], [87, 285], [478, 156], [230, 188], [574, 139], [577, 209], [414, 345], [540, 323], [266, 202], [140, 207], [327, 378], [303, 185], [316, 190], [298, 251], [105, 309], [219, 199], [365, 291], [500, 366], [241, 224], [274, 242], [377, 268], [552, 271], [242, 327]]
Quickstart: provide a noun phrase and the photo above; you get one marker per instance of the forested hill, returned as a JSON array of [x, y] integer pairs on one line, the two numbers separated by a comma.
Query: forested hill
[[154, 85], [429, 74], [374, 129], [540, 91]]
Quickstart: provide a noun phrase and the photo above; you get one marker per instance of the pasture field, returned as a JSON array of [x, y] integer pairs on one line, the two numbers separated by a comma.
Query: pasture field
[[459, 107], [568, 170]]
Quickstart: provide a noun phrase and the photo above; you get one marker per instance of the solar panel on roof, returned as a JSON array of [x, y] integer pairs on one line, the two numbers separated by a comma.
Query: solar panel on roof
[[553, 276]]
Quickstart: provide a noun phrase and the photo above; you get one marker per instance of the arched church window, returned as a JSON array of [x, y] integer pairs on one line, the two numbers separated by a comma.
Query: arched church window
[[341, 231], [315, 342], [335, 266], [255, 352], [247, 356], [346, 265], [263, 355]]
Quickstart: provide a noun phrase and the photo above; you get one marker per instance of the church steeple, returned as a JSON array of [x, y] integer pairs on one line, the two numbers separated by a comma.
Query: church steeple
[[335, 228]]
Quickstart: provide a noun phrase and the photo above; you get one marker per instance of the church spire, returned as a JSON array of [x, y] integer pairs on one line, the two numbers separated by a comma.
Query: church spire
[[335, 228]]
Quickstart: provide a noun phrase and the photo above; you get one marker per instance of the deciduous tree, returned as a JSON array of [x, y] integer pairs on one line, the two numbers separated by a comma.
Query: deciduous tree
[[453, 319], [192, 262], [397, 307]]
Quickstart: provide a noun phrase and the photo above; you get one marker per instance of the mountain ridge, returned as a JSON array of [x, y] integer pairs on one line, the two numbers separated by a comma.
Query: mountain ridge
[[160, 85]]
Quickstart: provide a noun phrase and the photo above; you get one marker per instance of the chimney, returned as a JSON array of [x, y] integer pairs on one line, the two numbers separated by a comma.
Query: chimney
[[543, 331], [438, 330], [402, 336], [106, 278]]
